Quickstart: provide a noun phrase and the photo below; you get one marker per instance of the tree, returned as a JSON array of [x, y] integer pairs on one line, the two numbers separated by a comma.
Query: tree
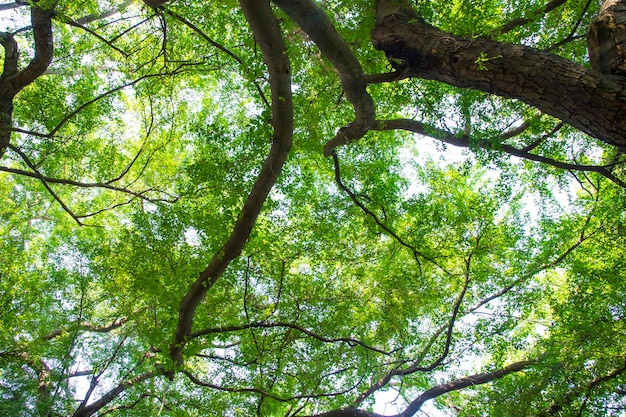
[[222, 208]]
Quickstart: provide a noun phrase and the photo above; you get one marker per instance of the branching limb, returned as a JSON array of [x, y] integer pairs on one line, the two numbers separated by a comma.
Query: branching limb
[[320, 29], [112, 394], [264, 393], [80, 108], [95, 379], [89, 327], [263, 325], [458, 384], [40, 176], [416, 253], [218, 46], [584, 98], [382, 382], [105, 185], [267, 33], [434, 392], [521, 21], [556, 407], [465, 141], [97, 36], [13, 80]]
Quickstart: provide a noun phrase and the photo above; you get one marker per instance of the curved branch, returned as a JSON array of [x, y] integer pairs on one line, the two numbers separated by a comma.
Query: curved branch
[[320, 29], [12, 80], [262, 325], [95, 406], [521, 21], [40, 176], [89, 327], [414, 367], [105, 94], [105, 185], [268, 35], [218, 46], [458, 384], [434, 392], [416, 253], [464, 141]]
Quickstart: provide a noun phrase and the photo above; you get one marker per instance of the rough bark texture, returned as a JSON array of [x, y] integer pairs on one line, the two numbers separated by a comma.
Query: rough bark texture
[[267, 34], [592, 102], [155, 3], [12, 80], [607, 38]]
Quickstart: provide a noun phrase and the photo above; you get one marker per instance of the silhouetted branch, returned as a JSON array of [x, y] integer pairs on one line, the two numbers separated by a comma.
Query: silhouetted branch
[[320, 29], [267, 33], [465, 141], [521, 21], [263, 325], [416, 253]]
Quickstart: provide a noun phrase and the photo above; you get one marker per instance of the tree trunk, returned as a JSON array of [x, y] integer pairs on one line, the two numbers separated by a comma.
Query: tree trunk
[[592, 102], [607, 38]]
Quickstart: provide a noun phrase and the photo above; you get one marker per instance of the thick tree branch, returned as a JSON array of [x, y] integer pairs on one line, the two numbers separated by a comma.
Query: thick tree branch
[[320, 29], [14, 5], [104, 14], [112, 394], [461, 383], [458, 384], [588, 100], [12, 80], [268, 35]]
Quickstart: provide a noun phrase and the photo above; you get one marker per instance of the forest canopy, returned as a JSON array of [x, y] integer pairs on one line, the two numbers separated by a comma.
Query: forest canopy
[[313, 208]]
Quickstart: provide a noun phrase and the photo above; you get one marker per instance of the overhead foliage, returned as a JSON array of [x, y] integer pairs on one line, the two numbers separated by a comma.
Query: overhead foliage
[[300, 208]]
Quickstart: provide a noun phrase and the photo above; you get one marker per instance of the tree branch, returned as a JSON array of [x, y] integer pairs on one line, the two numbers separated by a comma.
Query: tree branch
[[38, 175], [458, 384], [268, 35], [218, 46], [586, 99], [95, 406], [465, 141], [316, 24], [263, 325], [89, 327], [12, 80], [521, 21]]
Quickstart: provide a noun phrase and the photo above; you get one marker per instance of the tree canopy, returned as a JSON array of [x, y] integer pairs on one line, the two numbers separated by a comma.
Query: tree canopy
[[290, 207]]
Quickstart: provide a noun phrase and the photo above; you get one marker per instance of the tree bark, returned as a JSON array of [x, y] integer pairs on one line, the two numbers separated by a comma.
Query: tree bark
[[586, 99], [12, 80], [314, 22], [267, 33], [607, 38]]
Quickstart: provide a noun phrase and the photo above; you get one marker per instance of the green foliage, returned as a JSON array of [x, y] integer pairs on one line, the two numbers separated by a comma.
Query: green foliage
[[419, 260]]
